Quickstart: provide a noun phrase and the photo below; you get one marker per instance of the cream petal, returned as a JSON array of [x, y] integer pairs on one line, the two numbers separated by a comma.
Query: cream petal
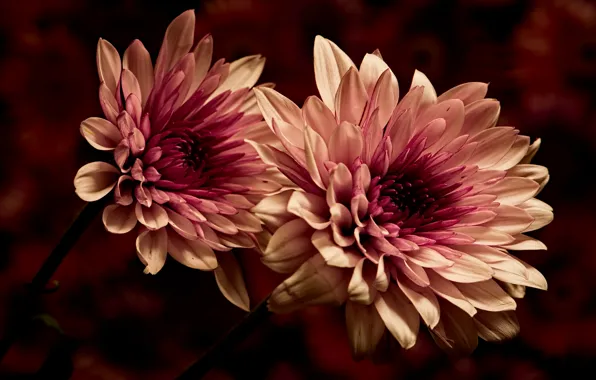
[[465, 269], [351, 98], [450, 292], [532, 150], [181, 225], [108, 103], [95, 180], [453, 113], [152, 248], [510, 219], [480, 115], [245, 221], [525, 243], [333, 254], [119, 219], [221, 223], [244, 73], [345, 144], [331, 63], [203, 54], [108, 65], [466, 92], [495, 327], [100, 133], [138, 61], [514, 155], [430, 95], [477, 217], [365, 328], [154, 217], [534, 172], [341, 221], [310, 207], [428, 258], [274, 105], [131, 86], [289, 247], [493, 145], [228, 276], [541, 217], [370, 71], [513, 190], [456, 331], [487, 295], [319, 117], [273, 210], [514, 290], [340, 188], [424, 300], [485, 235], [360, 287], [314, 283], [316, 155], [176, 43], [191, 253], [240, 240], [398, 314], [382, 277]]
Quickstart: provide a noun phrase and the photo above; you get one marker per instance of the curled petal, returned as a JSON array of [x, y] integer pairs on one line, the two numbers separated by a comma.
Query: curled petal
[[398, 314], [119, 219], [100, 133], [229, 278], [152, 248], [360, 288], [289, 247], [273, 210], [153, 217], [95, 180]]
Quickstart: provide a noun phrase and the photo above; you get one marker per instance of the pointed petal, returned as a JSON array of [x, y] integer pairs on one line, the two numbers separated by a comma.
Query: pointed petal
[[423, 299], [229, 278], [108, 65], [345, 144], [119, 219], [351, 98], [365, 328], [398, 314], [487, 295], [138, 61], [289, 247], [495, 327], [450, 292], [466, 92], [192, 253], [152, 249], [331, 63], [430, 95], [319, 117], [176, 43]]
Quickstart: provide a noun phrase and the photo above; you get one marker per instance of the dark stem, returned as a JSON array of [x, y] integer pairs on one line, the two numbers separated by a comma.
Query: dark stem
[[237, 334], [44, 274]]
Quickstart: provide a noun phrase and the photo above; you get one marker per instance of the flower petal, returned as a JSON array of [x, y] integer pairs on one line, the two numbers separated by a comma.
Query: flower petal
[[423, 299], [310, 207], [365, 328], [108, 65], [314, 283], [100, 133], [154, 217], [351, 98], [331, 63], [319, 117], [450, 292], [192, 253], [345, 144], [176, 43], [430, 95], [228, 276], [398, 314], [495, 327], [360, 288], [95, 180], [119, 219], [487, 295], [289, 247], [152, 248], [466, 92], [138, 61]]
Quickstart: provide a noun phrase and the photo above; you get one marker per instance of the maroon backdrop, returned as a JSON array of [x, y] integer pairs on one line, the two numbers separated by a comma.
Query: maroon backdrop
[[539, 56]]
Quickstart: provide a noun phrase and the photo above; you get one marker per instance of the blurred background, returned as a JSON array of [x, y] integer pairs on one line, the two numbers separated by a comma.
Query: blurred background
[[539, 57]]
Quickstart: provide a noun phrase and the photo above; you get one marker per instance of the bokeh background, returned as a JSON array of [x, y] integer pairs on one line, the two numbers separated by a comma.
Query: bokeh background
[[539, 57]]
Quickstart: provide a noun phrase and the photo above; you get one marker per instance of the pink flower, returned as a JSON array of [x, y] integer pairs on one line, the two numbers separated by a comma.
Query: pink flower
[[181, 167], [406, 210]]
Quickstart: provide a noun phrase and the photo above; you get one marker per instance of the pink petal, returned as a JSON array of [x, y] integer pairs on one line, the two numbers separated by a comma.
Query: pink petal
[[365, 328], [192, 253], [345, 144], [480, 115], [95, 180], [240, 240], [231, 282], [398, 314], [314, 283], [154, 217], [138, 61], [370, 71], [493, 145], [108, 103], [331, 63], [152, 247], [203, 54], [351, 98], [130, 85], [274, 105], [487, 295], [340, 188], [319, 117], [466, 92], [176, 43], [119, 219], [289, 247], [384, 96], [100, 133], [429, 96], [514, 155], [108, 65], [316, 154]]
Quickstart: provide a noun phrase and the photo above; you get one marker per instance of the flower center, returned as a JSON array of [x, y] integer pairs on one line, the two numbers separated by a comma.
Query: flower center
[[405, 194]]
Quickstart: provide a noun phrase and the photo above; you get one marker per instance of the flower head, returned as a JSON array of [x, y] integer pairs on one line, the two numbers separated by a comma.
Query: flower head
[[407, 209], [181, 168]]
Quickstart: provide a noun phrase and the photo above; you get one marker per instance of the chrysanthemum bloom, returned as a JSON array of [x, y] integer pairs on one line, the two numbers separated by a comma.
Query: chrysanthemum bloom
[[181, 168], [406, 210]]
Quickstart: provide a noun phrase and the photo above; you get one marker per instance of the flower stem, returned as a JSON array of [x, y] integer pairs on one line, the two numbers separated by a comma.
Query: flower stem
[[45, 273], [217, 352]]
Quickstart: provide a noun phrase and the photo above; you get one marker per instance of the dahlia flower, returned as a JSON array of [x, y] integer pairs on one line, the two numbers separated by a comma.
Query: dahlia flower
[[405, 210], [181, 169]]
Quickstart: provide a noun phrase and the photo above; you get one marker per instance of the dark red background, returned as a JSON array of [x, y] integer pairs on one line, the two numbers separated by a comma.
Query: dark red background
[[539, 56]]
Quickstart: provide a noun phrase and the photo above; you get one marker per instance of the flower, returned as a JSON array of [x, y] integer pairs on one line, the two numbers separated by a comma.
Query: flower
[[181, 166], [405, 210]]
